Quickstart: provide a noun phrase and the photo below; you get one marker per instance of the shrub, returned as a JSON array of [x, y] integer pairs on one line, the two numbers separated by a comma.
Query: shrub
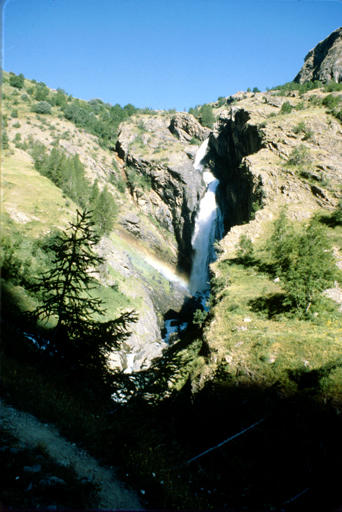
[[41, 92], [331, 101], [207, 116], [14, 113], [304, 262], [286, 108], [200, 317], [17, 81], [337, 215], [25, 97], [4, 140], [221, 101], [299, 156], [43, 107], [244, 249], [332, 86], [300, 127]]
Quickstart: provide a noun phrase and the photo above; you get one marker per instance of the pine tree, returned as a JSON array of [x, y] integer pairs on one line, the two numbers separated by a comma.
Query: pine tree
[[104, 209], [76, 339]]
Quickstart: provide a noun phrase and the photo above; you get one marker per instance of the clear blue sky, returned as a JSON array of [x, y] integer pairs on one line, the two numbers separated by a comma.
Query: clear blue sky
[[162, 53]]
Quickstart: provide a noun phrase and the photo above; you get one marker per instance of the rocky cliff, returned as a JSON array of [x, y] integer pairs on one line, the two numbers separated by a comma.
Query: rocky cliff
[[324, 62], [159, 152], [252, 144]]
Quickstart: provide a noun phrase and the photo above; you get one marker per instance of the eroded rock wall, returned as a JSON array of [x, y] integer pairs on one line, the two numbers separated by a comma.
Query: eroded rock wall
[[158, 150], [324, 62]]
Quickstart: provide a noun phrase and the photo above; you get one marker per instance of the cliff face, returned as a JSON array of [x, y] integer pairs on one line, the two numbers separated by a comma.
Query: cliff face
[[253, 142], [324, 62], [163, 181]]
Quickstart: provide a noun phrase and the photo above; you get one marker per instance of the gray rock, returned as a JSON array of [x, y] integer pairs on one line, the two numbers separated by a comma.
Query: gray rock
[[324, 62]]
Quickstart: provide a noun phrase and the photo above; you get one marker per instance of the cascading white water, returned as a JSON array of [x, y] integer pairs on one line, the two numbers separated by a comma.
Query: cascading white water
[[205, 229]]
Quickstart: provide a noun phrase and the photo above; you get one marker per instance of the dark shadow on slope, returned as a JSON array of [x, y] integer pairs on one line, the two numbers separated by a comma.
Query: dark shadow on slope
[[290, 458], [270, 305], [332, 221]]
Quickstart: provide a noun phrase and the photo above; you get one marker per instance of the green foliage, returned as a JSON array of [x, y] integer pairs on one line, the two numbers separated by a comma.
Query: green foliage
[[245, 249], [299, 156], [4, 140], [221, 101], [286, 108], [303, 261], [195, 141], [200, 317], [332, 86], [41, 92], [67, 172], [207, 116], [255, 89], [337, 214], [104, 209], [293, 86], [331, 101], [138, 180], [43, 107], [17, 81], [98, 118], [256, 206], [315, 100], [301, 128], [14, 114], [77, 340], [300, 106], [195, 111]]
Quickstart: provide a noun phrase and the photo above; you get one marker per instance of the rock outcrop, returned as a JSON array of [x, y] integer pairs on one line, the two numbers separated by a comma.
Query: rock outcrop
[[161, 176], [324, 62], [250, 150]]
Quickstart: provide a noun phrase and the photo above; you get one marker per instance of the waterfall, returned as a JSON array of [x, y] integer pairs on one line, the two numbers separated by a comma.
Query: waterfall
[[208, 227]]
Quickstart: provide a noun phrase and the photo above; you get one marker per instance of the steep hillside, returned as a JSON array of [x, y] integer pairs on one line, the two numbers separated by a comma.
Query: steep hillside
[[261, 362], [143, 239]]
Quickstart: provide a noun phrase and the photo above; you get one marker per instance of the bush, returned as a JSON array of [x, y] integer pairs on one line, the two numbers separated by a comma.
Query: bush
[[304, 262], [4, 140], [286, 108], [43, 107], [207, 116], [14, 114], [244, 249], [17, 81], [299, 156], [331, 101], [41, 92], [332, 86]]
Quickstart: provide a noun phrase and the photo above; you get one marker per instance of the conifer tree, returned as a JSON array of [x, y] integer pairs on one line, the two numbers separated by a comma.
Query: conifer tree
[[77, 339]]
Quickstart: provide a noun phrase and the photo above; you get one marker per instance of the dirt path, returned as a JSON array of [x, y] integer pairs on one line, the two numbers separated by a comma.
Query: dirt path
[[113, 495]]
